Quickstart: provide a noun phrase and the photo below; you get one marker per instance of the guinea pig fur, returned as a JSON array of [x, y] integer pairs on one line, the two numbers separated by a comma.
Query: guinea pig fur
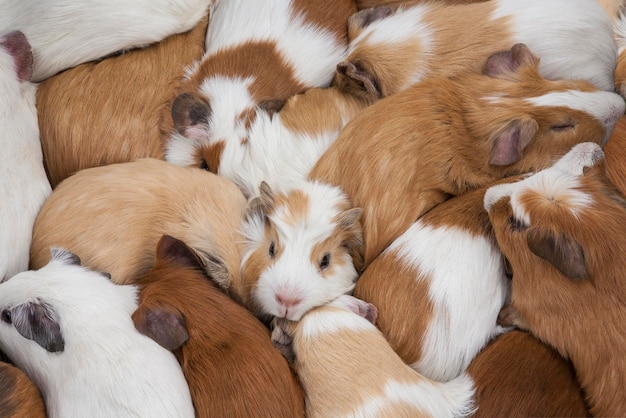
[[70, 329], [300, 250], [258, 54], [439, 288], [19, 397], [24, 182], [445, 136], [226, 354], [563, 231], [109, 111], [393, 48], [113, 216], [619, 26], [615, 156], [77, 32], [517, 375], [347, 368]]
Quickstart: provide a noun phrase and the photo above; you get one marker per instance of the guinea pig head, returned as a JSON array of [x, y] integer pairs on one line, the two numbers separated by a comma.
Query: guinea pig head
[[302, 249], [211, 125], [528, 121], [541, 222]]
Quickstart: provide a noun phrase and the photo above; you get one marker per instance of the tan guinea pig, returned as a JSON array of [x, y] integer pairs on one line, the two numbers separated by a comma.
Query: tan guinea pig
[[113, 216]]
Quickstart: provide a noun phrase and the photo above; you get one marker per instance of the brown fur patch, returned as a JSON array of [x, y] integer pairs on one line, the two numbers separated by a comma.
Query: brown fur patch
[[615, 151], [517, 375], [109, 111], [229, 361], [208, 157], [322, 14], [19, 397]]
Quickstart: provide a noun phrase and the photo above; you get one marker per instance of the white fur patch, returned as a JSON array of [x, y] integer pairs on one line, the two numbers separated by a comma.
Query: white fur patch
[[573, 38], [331, 321], [311, 51], [467, 288]]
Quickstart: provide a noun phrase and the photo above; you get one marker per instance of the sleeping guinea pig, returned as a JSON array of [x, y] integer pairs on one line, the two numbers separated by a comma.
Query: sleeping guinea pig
[[113, 216], [24, 183], [445, 136], [393, 48]]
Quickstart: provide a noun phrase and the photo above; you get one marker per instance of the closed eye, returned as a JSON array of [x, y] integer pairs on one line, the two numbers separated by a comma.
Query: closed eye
[[563, 126]]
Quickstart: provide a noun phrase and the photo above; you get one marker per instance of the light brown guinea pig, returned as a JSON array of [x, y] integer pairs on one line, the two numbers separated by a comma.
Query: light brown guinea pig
[[113, 216], [447, 135], [19, 397], [108, 111]]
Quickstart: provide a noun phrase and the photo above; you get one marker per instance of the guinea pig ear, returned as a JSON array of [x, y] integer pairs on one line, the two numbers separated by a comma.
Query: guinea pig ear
[[360, 307], [37, 321], [18, 46], [215, 268], [175, 250], [563, 252], [262, 204], [190, 114], [350, 222], [163, 324], [509, 143], [65, 256], [366, 17], [504, 64], [358, 82]]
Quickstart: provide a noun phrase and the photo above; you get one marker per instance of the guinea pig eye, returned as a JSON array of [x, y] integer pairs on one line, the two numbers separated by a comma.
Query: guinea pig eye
[[563, 126], [272, 250], [204, 165], [325, 262], [6, 316]]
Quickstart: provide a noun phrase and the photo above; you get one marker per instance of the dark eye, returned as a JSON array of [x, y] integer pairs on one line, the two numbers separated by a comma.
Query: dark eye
[[204, 165], [325, 261], [6, 316], [272, 250], [517, 224]]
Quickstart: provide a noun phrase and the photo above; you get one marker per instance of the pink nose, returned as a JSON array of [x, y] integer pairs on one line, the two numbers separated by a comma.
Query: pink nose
[[287, 301]]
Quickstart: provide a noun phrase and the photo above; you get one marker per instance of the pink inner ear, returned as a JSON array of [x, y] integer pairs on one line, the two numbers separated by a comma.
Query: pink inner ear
[[19, 47]]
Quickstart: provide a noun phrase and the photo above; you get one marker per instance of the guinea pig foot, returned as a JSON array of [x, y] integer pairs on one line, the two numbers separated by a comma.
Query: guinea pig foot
[[282, 340]]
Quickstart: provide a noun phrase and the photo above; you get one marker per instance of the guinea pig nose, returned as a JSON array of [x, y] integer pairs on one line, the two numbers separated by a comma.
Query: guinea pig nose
[[288, 301]]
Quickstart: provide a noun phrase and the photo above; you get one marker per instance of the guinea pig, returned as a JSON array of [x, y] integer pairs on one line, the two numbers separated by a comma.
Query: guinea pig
[[65, 33], [517, 375], [563, 231], [258, 55], [226, 354], [445, 136], [25, 185], [19, 397], [439, 287], [300, 249], [347, 368], [283, 145], [70, 329], [113, 216], [615, 156], [108, 111], [393, 48]]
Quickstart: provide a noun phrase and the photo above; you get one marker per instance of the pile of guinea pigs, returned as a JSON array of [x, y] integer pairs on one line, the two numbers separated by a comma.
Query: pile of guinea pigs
[[322, 208]]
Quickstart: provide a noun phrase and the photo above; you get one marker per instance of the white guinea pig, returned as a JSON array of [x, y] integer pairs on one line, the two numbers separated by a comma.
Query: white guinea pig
[[70, 329], [65, 33], [24, 185]]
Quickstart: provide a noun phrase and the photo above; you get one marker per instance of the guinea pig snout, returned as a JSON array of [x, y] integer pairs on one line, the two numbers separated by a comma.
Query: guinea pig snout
[[287, 304]]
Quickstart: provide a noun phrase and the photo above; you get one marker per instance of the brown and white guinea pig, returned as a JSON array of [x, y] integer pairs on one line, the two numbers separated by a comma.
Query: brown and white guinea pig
[[283, 144], [563, 231], [444, 136], [108, 111], [113, 216], [298, 253], [19, 397], [393, 48], [366, 4], [257, 55], [439, 287], [517, 375], [226, 354], [347, 368]]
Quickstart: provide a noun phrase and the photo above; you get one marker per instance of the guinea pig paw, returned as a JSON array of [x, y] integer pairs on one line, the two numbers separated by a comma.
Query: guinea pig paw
[[581, 156]]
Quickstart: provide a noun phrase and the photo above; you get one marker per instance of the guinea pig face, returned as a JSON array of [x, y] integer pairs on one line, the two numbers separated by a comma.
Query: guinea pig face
[[300, 250], [541, 216]]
